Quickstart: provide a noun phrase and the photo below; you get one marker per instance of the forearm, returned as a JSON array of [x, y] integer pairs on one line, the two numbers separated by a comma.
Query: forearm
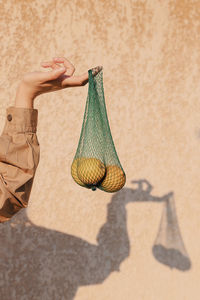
[[24, 97]]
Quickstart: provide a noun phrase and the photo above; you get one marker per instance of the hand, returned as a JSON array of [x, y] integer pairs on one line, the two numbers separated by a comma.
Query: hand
[[59, 77]]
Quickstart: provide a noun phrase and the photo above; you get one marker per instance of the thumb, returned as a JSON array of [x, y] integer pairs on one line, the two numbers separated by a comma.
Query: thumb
[[52, 75]]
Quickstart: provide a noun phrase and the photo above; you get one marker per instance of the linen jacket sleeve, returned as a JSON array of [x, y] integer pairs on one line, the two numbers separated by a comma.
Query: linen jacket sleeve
[[19, 158]]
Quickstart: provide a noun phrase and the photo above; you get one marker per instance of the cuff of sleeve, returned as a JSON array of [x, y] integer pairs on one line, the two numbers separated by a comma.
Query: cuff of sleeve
[[20, 119]]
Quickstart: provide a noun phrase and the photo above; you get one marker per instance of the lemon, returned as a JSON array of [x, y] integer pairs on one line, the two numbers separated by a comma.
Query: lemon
[[74, 171], [114, 180], [90, 171]]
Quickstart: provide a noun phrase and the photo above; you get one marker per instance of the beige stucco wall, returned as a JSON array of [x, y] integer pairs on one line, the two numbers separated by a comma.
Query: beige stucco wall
[[64, 246]]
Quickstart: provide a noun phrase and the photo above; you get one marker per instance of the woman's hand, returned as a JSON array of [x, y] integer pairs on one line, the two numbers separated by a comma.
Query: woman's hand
[[59, 77]]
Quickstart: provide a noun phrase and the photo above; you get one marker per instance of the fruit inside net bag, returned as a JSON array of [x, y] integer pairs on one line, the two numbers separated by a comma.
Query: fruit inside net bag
[[96, 163]]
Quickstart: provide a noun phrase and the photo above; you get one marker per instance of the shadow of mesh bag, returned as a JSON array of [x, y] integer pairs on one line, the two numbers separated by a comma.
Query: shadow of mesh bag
[[96, 164]]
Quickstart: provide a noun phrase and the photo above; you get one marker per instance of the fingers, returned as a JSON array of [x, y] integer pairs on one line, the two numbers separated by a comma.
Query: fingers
[[67, 79], [69, 66], [80, 80], [73, 81], [51, 75], [50, 64], [54, 64], [57, 70]]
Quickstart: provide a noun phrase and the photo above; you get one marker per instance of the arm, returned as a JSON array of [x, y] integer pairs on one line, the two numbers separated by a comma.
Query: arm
[[19, 158], [19, 147]]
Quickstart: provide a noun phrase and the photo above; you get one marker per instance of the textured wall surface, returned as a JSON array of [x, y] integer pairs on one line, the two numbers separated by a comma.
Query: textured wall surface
[[140, 243]]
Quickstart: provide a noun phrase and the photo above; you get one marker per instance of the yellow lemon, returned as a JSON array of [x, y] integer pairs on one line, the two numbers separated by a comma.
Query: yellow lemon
[[74, 171], [114, 180], [91, 171]]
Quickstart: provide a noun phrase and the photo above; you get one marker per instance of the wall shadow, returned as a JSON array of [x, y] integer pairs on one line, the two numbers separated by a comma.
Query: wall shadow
[[168, 246], [39, 263]]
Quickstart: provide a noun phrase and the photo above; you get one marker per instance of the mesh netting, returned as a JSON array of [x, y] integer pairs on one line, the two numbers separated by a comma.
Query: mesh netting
[[96, 163]]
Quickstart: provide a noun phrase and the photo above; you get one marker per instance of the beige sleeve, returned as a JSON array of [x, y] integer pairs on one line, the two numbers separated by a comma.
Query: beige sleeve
[[19, 158]]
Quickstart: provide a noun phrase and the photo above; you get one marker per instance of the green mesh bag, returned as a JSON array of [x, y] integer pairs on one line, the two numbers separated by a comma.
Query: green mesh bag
[[96, 164]]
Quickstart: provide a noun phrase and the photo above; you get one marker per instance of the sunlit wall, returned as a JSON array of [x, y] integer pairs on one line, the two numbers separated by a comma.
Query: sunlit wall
[[143, 242]]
